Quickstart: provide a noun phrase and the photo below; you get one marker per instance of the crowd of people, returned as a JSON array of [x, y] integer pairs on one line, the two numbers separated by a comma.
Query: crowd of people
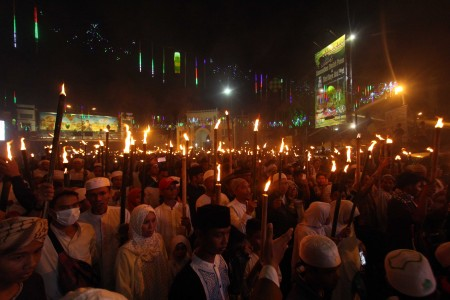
[[385, 236]]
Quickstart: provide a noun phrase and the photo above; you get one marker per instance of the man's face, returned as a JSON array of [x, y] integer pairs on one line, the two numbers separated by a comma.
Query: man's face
[[98, 171], [66, 202], [326, 278], [18, 265], [117, 182], [209, 183], [154, 168], [281, 186], [243, 191], [99, 198], [216, 240], [322, 180], [170, 193], [199, 178], [387, 184], [77, 165], [45, 166]]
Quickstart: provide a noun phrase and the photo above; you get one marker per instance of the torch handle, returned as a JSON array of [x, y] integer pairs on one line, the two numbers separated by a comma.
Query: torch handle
[[123, 190]]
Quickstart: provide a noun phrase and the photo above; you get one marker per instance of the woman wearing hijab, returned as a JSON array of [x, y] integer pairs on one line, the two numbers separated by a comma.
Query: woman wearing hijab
[[348, 247], [180, 254], [314, 221], [142, 270], [21, 242]]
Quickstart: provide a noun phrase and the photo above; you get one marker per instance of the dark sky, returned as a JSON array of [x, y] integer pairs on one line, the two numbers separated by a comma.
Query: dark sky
[[278, 38]]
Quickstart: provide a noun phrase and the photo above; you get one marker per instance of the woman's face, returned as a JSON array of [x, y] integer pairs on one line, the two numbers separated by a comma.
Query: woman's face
[[149, 225], [180, 251]]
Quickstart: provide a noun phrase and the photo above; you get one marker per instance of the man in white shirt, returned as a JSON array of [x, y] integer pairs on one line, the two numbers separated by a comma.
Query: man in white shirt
[[208, 181], [77, 239], [243, 206], [206, 277], [78, 174], [106, 222], [171, 220]]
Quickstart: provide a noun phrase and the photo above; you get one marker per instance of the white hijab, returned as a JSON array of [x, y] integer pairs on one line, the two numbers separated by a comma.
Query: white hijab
[[145, 247], [316, 216]]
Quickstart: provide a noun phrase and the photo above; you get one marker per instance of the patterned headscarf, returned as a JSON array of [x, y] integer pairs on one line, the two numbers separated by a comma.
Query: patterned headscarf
[[146, 247], [20, 231]]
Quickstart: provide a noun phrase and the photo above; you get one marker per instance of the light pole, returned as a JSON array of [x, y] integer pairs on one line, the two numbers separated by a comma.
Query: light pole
[[350, 39]]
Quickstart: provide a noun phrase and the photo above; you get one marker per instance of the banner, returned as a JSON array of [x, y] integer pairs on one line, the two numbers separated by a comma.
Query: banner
[[78, 122], [331, 85]]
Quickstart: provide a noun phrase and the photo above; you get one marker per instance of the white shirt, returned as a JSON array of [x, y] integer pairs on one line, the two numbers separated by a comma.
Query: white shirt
[[81, 246], [168, 221], [238, 215], [213, 276], [205, 200], [106, 228]]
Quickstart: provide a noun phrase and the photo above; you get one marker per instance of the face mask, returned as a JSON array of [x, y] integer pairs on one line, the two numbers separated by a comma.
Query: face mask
[[68, 217]]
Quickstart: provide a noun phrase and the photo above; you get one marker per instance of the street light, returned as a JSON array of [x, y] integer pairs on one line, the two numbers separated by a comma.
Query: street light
[[399, 90], [227, 91]]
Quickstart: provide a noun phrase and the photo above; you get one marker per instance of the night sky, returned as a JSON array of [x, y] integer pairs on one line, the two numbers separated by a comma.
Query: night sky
[[93, 46]]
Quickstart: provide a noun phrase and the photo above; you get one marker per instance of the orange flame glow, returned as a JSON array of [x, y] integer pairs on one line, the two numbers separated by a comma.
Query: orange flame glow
[[65, 160], [439, 123], [145, 135], [256, 125], [333, 167], [346, 168], [63, 90], [349, 153], [282, 145], [127, 140], [186, 137], [217, 124], [397, 157], [379, 137], [218, 172], [8, 150], [22, 144], [370, 149], [266, 187]]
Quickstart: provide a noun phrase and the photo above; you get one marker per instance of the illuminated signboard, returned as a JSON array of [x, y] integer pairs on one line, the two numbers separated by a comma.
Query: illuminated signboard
[[331, 85], [78, 122]]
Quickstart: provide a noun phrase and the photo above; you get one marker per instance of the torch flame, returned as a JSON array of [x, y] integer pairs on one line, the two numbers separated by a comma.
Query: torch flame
[[389, 140], [265, 144], [404, 152], [346, 168], [282, 145], [429, 149], [101, 143], [218, 172], [226, 112], [186, 137], [145, 135], [133, 141], [65, 160], [379, 137], [183, 149], [22, 144], [439, 123], [219, 149], [337, 151], [349, 153], [105, 130], [83, 142], [309, 156], [127, 140], [358, 136], [63, 90], [397, 157], [333, 167], [170, 144], [266, 187], [8, 150], [370, 149], [217, 124], [256, 125]]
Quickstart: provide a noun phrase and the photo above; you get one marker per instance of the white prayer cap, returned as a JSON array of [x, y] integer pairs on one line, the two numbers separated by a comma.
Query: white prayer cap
[[443, 254], [209, 173], [319, 251], [409, 272], [81, 193], [116, 174], [276, 177], [97, 182], [92, 294], [58, 175]]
